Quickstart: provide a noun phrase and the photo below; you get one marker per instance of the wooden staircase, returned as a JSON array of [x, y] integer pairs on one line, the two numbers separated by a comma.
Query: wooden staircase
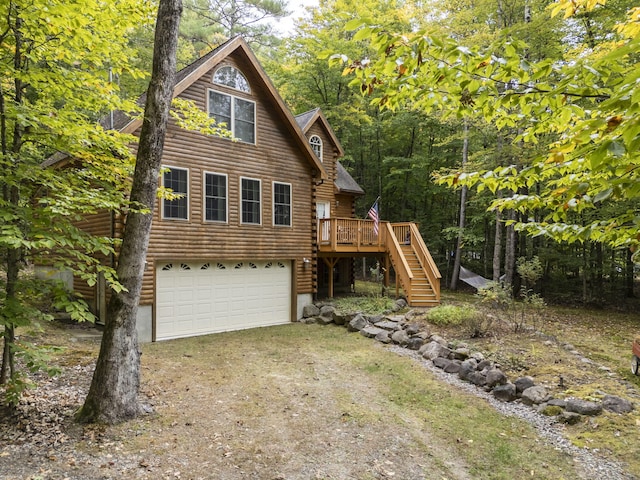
[[416, 271]]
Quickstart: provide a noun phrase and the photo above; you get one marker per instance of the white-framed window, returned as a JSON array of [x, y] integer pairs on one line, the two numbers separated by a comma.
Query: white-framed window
[[282, 204], [316, 145], [231, 77], [238, 114], [177, 180], [215, 197], [250, 202]]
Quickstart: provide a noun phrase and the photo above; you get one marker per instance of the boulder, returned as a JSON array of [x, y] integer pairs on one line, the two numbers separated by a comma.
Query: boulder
[[400, 337], [535, 395], [616, 404], [374, 318], [583, 407], [412, 329], [310, 311], [523, 383], [439, 339], [478, 379], [505, 392], [339, 318], [495, 377], [484, 364], [370, 331], [357, 323], [415, 343], [466, 369], [441, 362], [424, 335], [309, 320], [383, 337], [570, 418], [461, 353], [400, 304], [327, 311], [557, 402], [477, 356], [452, 367], [433, 350], [388, 325]]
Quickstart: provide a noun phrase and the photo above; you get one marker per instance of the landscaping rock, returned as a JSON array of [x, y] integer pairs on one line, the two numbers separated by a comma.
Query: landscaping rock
[[495, 377], [370, 331], [339, 318], [399, 304], [388, 325], [310, 311], [433, 350], [523, 383], [466, 369], [583, 407], [477, 356], [441, 362], [400, 337], [557, 402], [484, 364], [570, 418], [439, 339], [374, 318], [358, 323], [461, 353], [505, 392], [478, 379], [535, 395], [616, 404], [383, 337], [309, 320], [412, 329], [452, 367], [424, 335], [415, 343]]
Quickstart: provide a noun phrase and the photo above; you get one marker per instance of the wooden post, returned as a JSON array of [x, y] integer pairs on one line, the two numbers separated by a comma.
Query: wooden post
[[331, 262]]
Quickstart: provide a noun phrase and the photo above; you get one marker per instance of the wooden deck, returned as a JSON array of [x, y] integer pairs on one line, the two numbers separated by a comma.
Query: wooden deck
[[400, 243]]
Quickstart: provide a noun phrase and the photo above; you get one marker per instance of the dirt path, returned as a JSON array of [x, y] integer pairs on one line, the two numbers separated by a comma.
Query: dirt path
[[281, 403]]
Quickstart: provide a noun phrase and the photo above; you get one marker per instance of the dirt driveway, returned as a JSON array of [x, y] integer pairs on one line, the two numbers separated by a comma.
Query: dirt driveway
[[291, 402]]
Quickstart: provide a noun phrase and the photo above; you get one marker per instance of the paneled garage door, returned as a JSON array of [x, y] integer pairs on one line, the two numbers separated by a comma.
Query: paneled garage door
[[196, 298]]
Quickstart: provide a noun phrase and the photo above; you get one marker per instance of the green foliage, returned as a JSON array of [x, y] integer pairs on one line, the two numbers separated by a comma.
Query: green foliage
[[445, 315], [371, 305], [55, 78]]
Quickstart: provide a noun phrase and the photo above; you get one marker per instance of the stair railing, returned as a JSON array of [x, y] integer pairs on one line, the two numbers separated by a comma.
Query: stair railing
[[426, 260], [403, 272]]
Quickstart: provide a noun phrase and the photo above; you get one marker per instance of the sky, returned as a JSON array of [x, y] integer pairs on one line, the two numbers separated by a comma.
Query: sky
[[285, 25]]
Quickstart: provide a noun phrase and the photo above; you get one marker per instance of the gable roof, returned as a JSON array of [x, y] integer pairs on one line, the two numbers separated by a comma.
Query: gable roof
[[125, 123], [344, 181]]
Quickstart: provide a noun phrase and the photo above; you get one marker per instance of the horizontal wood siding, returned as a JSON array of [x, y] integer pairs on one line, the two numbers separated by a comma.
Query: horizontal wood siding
[[274, 157], [345, 207], [99, 225], [326, 190]]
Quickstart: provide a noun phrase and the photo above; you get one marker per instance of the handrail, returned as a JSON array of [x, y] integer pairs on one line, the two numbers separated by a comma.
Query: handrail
[[395, 253], [359, 233], [426, 260]]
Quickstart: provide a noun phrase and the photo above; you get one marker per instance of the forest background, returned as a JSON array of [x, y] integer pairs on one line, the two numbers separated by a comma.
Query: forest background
[[398, 153]]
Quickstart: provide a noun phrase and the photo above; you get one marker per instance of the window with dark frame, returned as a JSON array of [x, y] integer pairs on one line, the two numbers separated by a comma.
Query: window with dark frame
[[177, 180], [250, 200], [215, 197], [282, 204]]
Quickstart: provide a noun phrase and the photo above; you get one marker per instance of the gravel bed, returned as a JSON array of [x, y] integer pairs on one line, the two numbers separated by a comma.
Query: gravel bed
[[593, 466]]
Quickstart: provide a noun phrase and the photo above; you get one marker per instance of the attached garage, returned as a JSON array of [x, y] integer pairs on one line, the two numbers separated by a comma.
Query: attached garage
[[197, 298]]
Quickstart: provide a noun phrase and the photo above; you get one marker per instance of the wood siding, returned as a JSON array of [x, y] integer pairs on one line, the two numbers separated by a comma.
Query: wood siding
[[274, 157]]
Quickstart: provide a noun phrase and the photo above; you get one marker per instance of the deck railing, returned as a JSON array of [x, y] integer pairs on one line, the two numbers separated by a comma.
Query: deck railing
[[350, 234]]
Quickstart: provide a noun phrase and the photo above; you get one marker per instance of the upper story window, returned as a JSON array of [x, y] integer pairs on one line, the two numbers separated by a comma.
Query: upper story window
[[316, 145], [177, 180], [282, 204], [215, 197], [250, 202], [238, 114], [231, 77]]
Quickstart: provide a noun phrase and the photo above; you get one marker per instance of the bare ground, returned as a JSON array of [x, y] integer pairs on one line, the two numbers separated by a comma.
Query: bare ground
[[292, 402]]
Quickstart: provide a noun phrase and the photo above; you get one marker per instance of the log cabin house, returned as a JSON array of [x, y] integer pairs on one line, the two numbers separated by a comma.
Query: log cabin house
[[264, 223]]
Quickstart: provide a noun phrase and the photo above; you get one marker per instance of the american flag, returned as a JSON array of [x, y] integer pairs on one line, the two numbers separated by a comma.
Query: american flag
[[373, 215]]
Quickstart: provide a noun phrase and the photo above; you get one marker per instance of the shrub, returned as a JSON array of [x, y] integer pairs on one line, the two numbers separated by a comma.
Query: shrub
[[451, 315]]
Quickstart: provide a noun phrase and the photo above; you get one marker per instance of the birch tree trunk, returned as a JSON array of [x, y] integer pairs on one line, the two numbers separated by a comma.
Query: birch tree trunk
[[113, 395], [463, 207]]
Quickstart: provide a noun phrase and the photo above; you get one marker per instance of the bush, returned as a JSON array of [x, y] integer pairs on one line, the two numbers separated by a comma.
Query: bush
[[451, 315]]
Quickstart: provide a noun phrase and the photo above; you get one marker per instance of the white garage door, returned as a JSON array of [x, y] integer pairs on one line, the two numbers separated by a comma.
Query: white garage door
[[196, 298]]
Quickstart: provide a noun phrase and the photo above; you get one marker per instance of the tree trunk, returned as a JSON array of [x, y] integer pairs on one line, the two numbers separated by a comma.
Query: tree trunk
[[113, 395], [463, 207], [497, 245], [510, 252]]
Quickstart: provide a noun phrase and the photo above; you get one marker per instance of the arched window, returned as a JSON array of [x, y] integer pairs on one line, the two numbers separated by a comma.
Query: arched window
[[231, 77], [316, 145]]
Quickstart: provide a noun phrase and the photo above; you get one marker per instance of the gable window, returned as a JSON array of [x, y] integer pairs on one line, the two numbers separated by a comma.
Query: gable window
[[238, 114], [282, 204], [250, 207], [316, 145], [231, 77], [215, 197], [177, 180]]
